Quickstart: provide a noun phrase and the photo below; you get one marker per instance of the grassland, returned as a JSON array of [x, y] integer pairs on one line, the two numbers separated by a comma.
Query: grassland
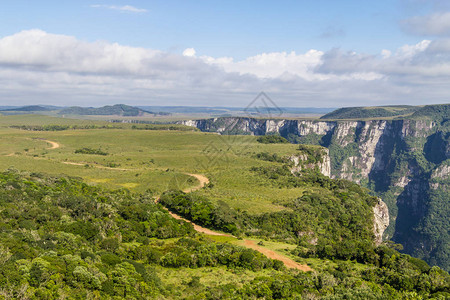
[[143, 160], [372, 112]]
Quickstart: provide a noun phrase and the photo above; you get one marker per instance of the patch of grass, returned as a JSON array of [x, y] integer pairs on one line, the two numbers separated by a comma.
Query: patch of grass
[[160, 157]]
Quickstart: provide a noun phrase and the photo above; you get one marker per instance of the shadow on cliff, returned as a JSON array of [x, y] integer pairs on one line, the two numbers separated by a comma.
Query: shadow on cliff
[[435, 149]]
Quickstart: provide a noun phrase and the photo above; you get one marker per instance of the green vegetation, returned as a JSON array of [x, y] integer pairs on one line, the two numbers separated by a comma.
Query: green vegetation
[[61, 237], [62, 127], [272, 139], [94, 126], [371, 112], [334, 222], [91, 151], [439, 113], [118, 109], [414, 153], [274, 157], [164, 127], [29, 108], [314, 154], [338, 155]]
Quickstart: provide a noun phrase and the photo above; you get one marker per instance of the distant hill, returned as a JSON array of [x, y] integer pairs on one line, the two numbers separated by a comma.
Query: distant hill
[[371, 112], [437, 112], [118, 110], [28, 108], [237, 111]]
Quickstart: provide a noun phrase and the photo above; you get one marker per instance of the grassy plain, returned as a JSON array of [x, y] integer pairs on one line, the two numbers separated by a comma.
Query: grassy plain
[[147, 159]]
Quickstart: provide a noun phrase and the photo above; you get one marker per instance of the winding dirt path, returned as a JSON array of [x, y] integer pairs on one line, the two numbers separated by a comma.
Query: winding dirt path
[[289, 263], [54, 145], [197, 227], [203, 181], [273, 255]]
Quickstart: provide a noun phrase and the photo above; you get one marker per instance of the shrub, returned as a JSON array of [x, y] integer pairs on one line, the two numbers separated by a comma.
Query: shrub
[[90, 151]]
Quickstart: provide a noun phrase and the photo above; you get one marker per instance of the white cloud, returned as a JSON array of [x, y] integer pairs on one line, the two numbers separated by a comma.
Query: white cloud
[[190, 52], [38, 49], [386, 53], [437, 24], [272, 65], [124, 8], [412, 50], [39, 67]]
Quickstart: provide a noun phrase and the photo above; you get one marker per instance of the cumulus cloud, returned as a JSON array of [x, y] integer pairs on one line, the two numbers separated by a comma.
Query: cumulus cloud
[[36, 66], [190, 52], [272, 65], [124, 8], [437, 24]]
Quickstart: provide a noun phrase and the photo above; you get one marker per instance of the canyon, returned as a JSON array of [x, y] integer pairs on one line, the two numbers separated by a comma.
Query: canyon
[[403, 161]]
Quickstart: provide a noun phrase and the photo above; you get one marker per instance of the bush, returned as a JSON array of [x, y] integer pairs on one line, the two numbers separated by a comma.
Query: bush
[[90, 151], [272, 139]]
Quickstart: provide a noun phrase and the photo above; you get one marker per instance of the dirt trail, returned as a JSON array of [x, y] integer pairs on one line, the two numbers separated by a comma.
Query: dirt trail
[[203, 181], [55, 145], [289, 263], [273, 255], [197, 227]]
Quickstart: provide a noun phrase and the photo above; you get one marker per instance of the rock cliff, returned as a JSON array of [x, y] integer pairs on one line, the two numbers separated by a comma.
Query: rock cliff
[[300, 162], [381, 220], [405, 162]]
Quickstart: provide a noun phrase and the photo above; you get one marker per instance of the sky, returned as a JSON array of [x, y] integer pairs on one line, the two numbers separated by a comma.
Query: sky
[[322, 53]]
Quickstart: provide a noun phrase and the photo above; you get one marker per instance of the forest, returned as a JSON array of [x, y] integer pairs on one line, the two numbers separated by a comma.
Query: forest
[[62, 238]]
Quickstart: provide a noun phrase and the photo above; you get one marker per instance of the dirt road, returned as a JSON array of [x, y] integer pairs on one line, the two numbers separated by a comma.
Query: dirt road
[[273, 255], [54, 145], [197, 227], [203, 181], [289, 263]]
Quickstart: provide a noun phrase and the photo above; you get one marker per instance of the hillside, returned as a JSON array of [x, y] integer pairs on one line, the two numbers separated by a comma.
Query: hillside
[[116, 110], [80, 242], [29, 108], [404, 161], [370, 112], [438, 113]]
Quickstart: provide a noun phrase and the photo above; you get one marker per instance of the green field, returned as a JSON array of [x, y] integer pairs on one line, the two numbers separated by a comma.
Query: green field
[[143, 160]]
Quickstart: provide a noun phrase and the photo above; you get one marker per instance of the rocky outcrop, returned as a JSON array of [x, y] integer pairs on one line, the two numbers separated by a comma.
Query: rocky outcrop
[[311, 127], [404, 161], [300, 162], [325, 165], [440, 177], [381, 220]]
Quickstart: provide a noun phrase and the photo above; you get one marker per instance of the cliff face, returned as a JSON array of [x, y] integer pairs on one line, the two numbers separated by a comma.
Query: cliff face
[[300, 162], [405, 162], [381, 220]]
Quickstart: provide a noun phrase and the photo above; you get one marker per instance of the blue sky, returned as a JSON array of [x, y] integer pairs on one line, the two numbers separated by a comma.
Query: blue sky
[[218, 53], [220, 28]]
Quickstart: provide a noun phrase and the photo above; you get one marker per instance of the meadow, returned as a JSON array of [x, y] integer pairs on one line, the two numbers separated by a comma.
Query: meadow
[[142, 160]]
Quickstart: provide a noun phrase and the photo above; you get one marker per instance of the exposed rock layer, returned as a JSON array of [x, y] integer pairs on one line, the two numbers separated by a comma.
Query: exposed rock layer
[[404, 161]]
